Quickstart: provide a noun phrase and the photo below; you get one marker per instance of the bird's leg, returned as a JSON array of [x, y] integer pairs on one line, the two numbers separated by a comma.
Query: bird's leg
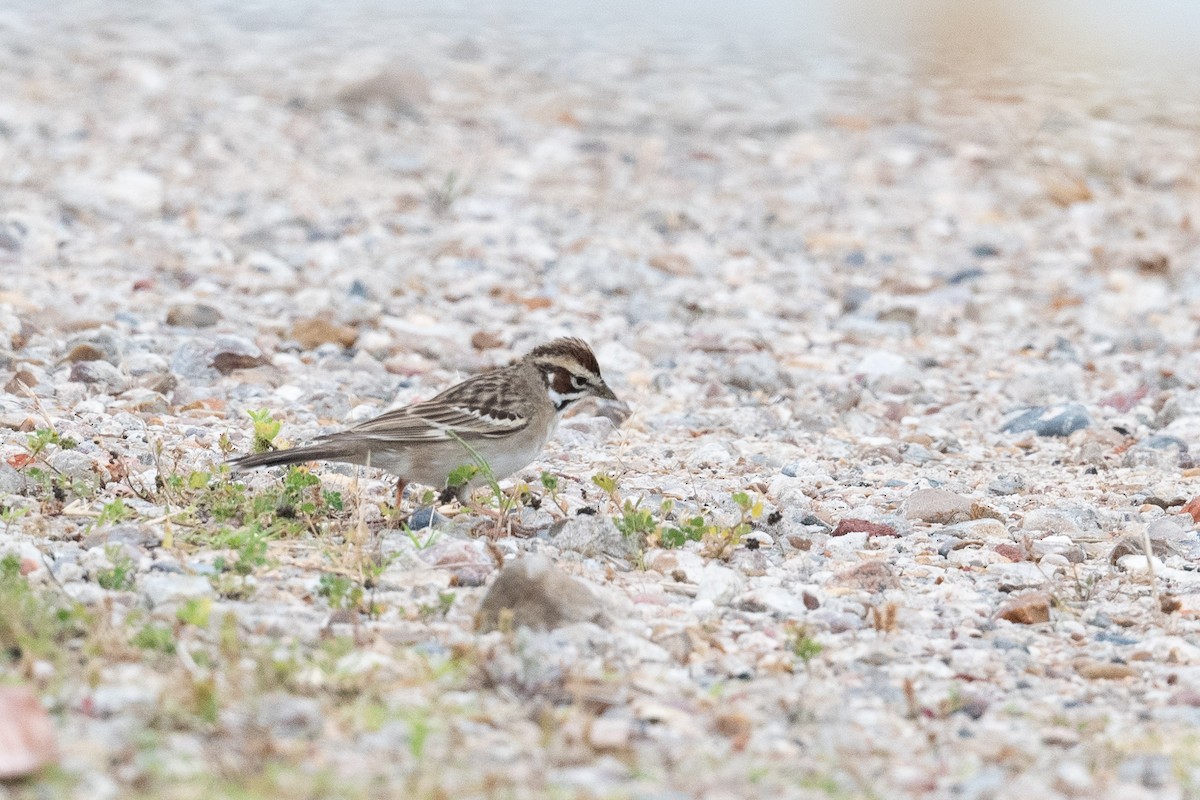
[[401, 484]]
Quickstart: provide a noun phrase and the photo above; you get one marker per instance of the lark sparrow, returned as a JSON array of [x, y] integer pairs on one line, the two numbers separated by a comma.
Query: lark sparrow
[[506, 415]]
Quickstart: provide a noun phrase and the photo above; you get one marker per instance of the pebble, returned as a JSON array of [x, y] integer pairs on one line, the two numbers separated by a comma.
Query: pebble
[[160, 589], [1006, 484], [1061, 420], [73, 464], [592, 536], [1153, 771], [426, 517], [718, 585], [27, 732], [533, 593], [1028, 609], [756, 372], [846, 526], [316, 331], [777, 601], [193, 315], [938, 506], [105, 376], [288, 716]]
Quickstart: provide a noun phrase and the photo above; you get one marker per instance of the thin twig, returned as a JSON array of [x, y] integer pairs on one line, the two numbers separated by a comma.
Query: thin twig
[[37, 404]]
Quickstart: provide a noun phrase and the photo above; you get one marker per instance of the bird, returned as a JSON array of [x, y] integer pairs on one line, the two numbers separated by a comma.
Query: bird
[[503, 416]]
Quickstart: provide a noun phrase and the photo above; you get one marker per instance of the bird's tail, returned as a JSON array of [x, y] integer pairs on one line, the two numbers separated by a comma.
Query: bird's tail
[[294, 455]]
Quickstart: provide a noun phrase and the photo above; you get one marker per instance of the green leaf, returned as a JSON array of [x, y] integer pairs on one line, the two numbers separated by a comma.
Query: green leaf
[[462, 475], [195, 611], [606, 482]]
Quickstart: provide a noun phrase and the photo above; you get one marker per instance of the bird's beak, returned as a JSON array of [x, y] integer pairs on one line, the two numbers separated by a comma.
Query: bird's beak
[[604, 393]]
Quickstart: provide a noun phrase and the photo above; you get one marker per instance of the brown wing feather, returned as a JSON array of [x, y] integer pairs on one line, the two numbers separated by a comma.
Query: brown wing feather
[[471, 410]]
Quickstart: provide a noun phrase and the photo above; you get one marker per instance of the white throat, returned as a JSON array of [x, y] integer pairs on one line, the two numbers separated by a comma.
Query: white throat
[[562, 401]]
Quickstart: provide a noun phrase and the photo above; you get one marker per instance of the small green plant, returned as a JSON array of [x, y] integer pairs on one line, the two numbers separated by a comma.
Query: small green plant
[[34, 625], [205, 702], [155, 637], [802, 644], [444, 603], [266, 428], [635, 521], [550, 484], [607, 484], [296, 498], [118, 577], [723, 540], [10, 514], [37, 442], [195, 611], [340, 591], [462, 475], [690, 530], [481, 467], [442, 197], [419, 728], [334, 500], [417, 543], [250, 547], [113, 512]]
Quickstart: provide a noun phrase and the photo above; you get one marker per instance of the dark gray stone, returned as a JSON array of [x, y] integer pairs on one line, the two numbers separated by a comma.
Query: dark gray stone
[[1059, 420]]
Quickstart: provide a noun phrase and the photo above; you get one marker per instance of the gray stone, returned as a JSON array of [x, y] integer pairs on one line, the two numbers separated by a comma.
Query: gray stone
[[287, 716], [1151, 770], [718, 584], [426, 517], [160, 588], [73, 464], [231, 353], [938, 506], [712, 454], [985, 784], [592, 535], [105, 342], [1006, 484], [1068, 520], [756, 372], [193, 315], [1059, 420], [775, 600], [127, 697], [534, 593], [1167, 530], [12, 236], [134, 535], [101, 374], [11, 481], [881, 363], [144, 363]]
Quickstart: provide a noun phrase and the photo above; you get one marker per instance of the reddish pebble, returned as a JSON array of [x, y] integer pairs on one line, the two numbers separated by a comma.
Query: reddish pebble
[[1185, 697], [1193, 507], [1124, 401], [871, 528], [1013, 552]]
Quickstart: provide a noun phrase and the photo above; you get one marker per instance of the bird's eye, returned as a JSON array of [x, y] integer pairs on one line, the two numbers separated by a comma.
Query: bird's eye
[[578, 381]]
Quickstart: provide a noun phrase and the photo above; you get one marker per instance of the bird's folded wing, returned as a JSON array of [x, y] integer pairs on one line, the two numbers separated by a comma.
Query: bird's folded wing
[[439, 421]]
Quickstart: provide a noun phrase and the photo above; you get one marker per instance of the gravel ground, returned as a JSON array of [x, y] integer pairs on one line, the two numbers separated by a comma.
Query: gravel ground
[[910, 355]]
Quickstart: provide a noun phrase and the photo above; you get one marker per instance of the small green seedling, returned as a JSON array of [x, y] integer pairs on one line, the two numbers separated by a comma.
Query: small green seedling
[[266, 428]]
